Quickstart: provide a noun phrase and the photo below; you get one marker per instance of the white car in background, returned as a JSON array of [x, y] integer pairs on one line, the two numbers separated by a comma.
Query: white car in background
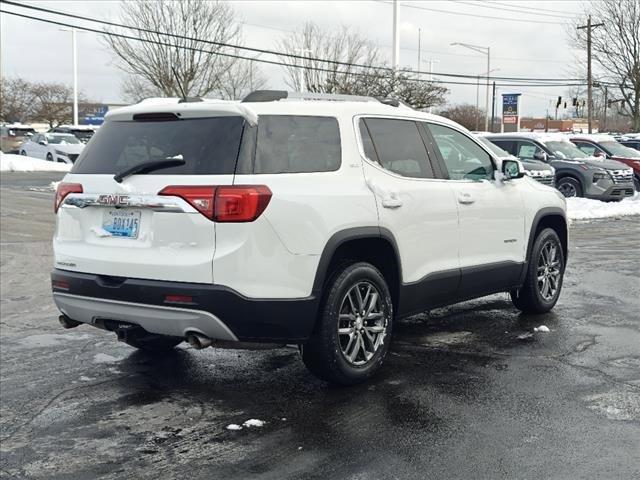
[[54, 147]]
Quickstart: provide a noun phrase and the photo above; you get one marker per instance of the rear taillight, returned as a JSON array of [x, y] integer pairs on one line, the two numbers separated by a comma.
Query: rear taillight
[[199, 197], [241, 203], [234, 203], [63, 190]]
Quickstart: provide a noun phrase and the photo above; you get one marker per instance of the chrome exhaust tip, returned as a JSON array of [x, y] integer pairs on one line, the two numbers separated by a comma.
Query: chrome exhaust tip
[[199, 341]]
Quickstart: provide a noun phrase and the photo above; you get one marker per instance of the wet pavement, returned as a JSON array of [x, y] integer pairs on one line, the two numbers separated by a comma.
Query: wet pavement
[[467, 392]]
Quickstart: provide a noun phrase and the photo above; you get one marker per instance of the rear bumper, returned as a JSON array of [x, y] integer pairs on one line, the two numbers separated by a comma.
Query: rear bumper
[[215, 311]]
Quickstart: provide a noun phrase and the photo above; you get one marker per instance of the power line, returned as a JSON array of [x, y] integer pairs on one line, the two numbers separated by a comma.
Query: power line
[[512, 8], [417, 7], [563, 12], [271, 52], [129, 37]]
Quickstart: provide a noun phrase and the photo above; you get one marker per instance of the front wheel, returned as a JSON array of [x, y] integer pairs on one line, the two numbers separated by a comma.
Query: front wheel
[[569, 187], [353, 332], [23, 153], [49, 157], [545, 273]]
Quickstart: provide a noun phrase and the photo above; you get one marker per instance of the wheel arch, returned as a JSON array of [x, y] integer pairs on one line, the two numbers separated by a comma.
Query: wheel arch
[[375, 245], [550, 217]]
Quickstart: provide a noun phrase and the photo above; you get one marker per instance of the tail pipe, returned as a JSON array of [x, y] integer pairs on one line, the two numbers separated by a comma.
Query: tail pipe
[[66, 322], [199, 341]]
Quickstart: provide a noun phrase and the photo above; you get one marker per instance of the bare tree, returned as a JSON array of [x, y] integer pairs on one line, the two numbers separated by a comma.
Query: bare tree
[[198, 63], [616, 50], [17, 100], [344, 46], [243, 77], [466, 115]]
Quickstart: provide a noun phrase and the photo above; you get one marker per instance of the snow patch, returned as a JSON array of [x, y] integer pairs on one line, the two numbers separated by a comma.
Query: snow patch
[[254, 422], [234, 426], [104, 358], [541, 329], [86, 379], [587, 209], [20, 163]]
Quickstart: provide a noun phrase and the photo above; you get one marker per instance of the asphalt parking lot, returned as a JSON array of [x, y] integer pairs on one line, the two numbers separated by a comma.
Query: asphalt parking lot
[[467, 392]]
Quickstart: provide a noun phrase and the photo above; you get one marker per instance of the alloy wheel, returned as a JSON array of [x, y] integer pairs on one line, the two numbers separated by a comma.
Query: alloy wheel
[[549, 271], [362, 323], [567, 189]]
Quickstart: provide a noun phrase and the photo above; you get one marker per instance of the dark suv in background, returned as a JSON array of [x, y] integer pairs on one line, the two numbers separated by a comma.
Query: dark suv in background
[[577, 174], [605, 146], [81, 132]]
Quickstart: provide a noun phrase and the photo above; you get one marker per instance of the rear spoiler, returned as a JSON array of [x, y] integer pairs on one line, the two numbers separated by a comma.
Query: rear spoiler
[[172, 109]]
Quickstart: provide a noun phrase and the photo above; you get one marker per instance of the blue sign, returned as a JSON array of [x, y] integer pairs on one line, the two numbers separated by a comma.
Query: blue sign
[[95, 115], [510, 104]]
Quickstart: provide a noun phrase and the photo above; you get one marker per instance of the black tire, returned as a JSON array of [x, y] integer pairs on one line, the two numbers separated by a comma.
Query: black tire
[[23, 153], [530, 298], [636, 183], [324, 353], [155, 343], [49, 157], [569, 187]]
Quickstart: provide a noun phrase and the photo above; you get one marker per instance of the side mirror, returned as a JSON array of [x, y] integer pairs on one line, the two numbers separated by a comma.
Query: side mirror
[[540, 155], [28, 134], [599, 154], [512, 169], [42, 142]]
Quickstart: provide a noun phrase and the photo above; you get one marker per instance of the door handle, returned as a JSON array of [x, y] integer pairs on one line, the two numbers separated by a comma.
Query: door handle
[[465, 198], [391, 203]]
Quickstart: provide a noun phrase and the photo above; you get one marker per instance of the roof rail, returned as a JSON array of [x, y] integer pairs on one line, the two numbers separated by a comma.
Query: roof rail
[[275, 95], [190, 100]]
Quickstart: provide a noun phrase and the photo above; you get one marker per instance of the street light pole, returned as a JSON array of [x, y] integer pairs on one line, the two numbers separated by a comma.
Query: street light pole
[[74, 49], [396, 37]]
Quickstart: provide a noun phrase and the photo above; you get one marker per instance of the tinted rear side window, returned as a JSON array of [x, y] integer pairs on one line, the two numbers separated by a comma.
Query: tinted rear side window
[[208, 146], [400, 147], [297, 144], [507, 145]]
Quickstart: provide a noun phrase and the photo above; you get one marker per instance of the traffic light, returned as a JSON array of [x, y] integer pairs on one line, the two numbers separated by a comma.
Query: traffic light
[[558, 102], [575, 101]]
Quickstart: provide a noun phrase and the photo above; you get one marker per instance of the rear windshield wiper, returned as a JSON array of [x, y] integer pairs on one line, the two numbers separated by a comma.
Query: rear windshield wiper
[[150, 166]]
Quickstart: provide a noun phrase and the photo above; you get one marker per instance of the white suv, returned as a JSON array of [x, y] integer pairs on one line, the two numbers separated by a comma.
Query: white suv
[[294, 219]]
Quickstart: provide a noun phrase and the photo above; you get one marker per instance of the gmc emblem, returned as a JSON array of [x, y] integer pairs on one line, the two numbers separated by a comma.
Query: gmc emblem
[[113, 200]]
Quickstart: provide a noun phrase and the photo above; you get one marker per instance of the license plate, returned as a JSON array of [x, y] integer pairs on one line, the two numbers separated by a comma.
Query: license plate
[[122, 223]]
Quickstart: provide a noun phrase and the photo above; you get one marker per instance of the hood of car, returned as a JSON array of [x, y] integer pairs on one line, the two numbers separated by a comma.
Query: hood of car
[[68, 148], [604, 163]]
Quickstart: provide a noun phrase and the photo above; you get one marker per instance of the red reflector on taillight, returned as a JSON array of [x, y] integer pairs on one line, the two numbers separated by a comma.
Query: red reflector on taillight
[[60, 284], [241, 203], [178, 299], [200, 197], [63, 190]]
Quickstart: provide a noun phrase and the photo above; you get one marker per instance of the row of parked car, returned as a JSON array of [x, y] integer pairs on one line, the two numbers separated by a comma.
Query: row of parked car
[[579, 165], [60, 144]]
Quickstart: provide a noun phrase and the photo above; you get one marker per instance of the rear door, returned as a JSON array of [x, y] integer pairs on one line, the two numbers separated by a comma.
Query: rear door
[[418, 208], [131, 229]]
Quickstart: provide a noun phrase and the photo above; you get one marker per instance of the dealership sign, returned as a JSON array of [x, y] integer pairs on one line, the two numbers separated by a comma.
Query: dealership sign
[[510, 109]]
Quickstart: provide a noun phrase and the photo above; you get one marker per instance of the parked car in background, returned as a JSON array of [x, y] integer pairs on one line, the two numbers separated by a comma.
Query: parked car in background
[[605, 146], [12, 135], [539, 171], [81, 132], [54, 147], [577, 174], [635, 144]]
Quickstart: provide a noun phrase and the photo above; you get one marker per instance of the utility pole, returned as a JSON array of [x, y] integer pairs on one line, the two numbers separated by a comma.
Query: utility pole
[[589, 26], [493, 108], [396, 37], [606, 100], [74, 49], [419, 43], [487, 52]]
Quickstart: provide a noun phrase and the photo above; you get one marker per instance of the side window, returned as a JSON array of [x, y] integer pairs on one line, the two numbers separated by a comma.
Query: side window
[[527, 150], [586, 148], [297, 144], [399, 147], [463, 158], [507, 145], [36, 138], [367, 143]]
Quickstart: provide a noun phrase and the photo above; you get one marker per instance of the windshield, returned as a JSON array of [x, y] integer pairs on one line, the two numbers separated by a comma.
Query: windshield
[[62, 139], [565, 150], [620, 150], [208, 146], [500, 153]]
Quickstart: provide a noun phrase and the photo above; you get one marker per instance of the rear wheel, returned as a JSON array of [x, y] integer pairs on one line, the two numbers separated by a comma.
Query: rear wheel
[[156, 343], [545, 273], [23, 153], [352, 336], [569, 187], [49, 157]]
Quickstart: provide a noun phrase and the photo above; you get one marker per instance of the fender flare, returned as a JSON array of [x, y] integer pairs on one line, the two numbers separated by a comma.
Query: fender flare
[[540, 215]]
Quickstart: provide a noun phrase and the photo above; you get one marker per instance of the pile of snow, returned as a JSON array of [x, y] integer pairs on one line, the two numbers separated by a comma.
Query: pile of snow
[[586, 209], [541, 329], [251, 423], [20, 163]]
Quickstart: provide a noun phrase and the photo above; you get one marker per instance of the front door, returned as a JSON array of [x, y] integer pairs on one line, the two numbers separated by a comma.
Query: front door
[[491, 213]]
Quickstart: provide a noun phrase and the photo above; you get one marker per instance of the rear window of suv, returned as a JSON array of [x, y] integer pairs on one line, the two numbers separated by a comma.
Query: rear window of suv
[[208, 146], [217, 145]]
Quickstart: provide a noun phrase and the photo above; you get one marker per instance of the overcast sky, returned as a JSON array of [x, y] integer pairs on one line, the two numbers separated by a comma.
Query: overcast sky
[[520, 46]]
